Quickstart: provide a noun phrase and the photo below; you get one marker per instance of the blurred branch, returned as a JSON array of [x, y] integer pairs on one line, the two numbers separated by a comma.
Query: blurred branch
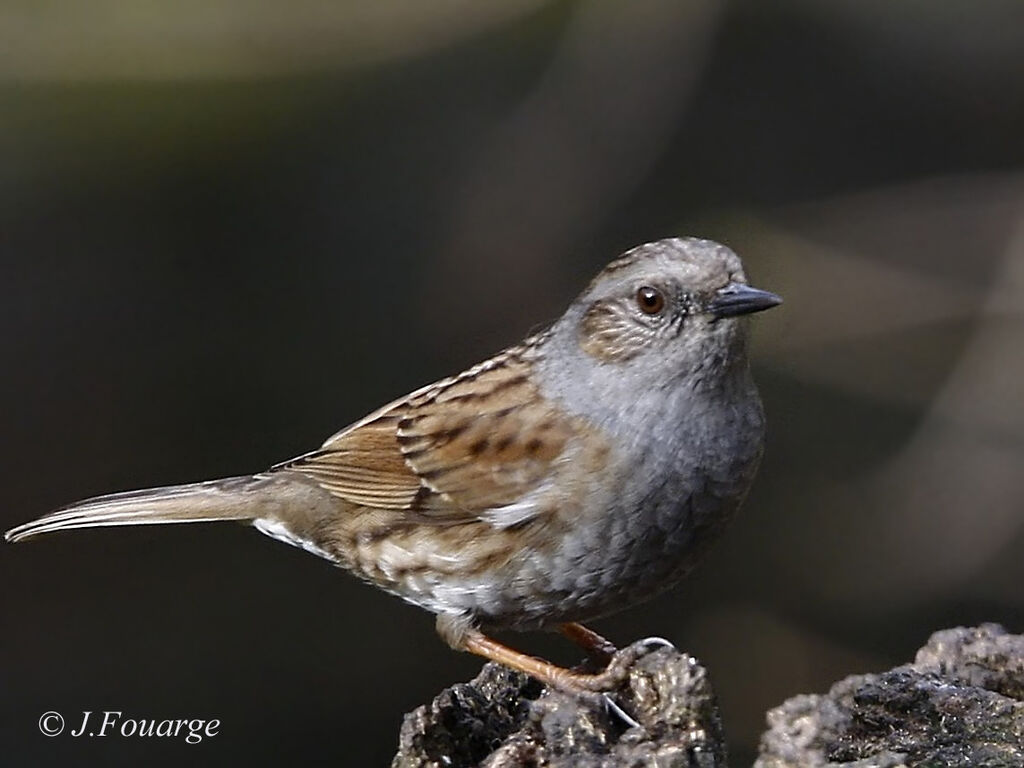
[[211, 39], [581, 142], [879, 286]]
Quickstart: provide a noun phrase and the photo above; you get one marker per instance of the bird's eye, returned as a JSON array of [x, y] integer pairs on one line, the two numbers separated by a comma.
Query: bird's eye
[[650, 300]]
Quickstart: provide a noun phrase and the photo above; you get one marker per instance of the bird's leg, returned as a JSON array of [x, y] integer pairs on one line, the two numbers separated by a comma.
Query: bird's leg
[[596, 646], [458, 631], [547, 673]]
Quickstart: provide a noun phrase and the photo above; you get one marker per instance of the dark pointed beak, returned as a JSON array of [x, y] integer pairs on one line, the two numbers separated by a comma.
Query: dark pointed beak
[[741, 299]]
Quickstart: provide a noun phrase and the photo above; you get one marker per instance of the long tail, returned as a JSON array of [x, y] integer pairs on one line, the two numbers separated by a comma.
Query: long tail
[[261, 499]]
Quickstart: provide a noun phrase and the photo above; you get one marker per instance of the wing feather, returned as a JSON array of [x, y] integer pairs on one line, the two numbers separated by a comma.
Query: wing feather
[[461, 449]]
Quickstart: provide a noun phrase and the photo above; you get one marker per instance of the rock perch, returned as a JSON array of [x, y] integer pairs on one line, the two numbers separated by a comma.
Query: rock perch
[[504, 719], [959, 704]]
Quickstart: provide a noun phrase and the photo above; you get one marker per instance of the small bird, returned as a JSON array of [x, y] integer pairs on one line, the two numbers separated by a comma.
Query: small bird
[[566, 478]]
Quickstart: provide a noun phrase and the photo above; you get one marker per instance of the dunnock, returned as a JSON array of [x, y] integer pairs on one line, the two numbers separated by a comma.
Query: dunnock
[[565, 478]]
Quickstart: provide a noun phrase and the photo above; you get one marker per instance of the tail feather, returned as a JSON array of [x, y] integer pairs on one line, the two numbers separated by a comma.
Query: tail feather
[[216, 500]]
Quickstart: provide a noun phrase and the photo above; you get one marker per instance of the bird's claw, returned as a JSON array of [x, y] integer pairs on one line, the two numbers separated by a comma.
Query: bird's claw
[[653, 643], [616, 711]]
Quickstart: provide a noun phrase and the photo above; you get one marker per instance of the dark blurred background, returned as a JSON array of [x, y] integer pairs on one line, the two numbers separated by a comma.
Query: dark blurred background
[[228, 229]]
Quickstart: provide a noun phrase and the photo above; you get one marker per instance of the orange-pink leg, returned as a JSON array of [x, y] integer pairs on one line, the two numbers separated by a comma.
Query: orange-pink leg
[[549, 674], [596, 646]]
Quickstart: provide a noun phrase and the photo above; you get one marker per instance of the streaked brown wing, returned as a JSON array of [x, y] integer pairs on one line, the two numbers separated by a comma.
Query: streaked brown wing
[[449, 452], [364, 466]]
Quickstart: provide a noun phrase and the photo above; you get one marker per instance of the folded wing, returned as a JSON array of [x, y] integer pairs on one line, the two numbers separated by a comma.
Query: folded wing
[[463, 449]]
